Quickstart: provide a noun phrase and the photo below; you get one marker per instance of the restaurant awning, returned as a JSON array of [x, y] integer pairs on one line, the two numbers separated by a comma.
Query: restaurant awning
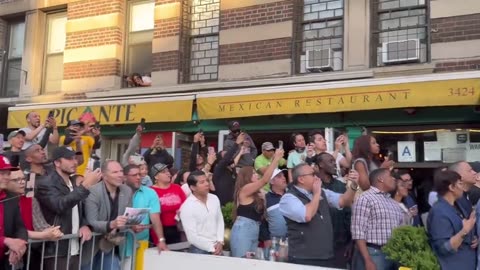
[[110, 111], [342, 96]]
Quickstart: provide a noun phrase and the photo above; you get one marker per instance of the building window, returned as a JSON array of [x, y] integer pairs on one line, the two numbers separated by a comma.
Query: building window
[[13, 64], [204, 28], [320, 36], [399, 32], [56, 37], [140, 37]]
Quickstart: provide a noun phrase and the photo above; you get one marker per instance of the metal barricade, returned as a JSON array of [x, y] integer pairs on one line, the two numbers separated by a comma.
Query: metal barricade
[[92, 254]]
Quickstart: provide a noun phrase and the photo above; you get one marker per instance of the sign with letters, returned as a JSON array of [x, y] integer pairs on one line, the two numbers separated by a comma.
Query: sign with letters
[[128, 113], [415, 94], [406, 151]]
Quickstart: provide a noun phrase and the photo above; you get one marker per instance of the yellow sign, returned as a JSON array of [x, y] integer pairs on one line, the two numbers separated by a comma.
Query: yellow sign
[[419, 94], [163, 111]]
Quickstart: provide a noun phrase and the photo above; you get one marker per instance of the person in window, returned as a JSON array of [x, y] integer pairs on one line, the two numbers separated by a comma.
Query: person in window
[[364, 151], [137, 80], [451, 227]]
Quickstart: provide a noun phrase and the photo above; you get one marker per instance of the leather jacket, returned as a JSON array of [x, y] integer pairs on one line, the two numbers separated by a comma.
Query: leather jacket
[[57, 202]]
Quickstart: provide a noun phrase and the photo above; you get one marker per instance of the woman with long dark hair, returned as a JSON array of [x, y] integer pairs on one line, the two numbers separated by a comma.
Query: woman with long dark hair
[[249, 207], [364, 151]]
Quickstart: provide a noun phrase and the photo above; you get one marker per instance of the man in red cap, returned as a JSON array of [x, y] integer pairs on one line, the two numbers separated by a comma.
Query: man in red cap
[[13, 234]]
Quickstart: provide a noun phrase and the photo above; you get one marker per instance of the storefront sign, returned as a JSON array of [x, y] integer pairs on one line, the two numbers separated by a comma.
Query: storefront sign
[[165, 111], [406, 151], [419, 94]]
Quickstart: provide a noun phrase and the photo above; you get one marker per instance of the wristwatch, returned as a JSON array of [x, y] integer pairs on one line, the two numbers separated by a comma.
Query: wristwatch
[[162, 240]]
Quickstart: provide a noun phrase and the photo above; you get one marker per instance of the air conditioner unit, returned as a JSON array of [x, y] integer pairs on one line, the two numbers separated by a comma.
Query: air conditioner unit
[[319, 60], [401, 51]]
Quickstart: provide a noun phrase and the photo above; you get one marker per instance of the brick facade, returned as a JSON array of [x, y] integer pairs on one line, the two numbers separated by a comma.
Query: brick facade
[[88, 69], [256, 51], [89, 8], [456, 28], [91, 38], [460, 65], [163, 61], [167, 28], [256, 15]]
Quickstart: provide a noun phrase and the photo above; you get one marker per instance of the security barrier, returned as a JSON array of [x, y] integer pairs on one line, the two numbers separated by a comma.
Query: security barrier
[[99, 253]]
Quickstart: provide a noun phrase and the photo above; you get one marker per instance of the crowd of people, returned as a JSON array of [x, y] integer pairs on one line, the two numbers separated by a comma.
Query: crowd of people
[[334, 208]]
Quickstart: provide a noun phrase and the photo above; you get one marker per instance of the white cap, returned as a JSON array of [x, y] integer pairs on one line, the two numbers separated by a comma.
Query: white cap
[[275, 173]]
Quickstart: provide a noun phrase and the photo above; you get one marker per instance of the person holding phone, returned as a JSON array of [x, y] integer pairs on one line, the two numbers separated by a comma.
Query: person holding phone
[[265, 159], [249, 149], [451, 227], [37, 132], [82, 144]]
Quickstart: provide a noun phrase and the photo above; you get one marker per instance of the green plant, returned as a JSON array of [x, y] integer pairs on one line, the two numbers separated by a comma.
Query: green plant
[[409, 246], [227, 214]]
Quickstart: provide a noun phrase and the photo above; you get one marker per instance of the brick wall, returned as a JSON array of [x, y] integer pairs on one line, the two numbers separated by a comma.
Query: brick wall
[[167, 28], [256, 51], [256, 15], [459, 65], [165, 61], [91, 38], [87, 69], [456, 28], [88, 8]]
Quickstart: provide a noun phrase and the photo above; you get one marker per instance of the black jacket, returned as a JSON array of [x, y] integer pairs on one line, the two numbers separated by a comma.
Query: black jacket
[[57, 202], [161, 156], [224, 177], [12, 224]]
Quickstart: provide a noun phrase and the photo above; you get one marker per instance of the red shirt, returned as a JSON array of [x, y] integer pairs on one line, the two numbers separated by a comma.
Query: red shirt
[[26, 212], [171, 199], [3, 195]]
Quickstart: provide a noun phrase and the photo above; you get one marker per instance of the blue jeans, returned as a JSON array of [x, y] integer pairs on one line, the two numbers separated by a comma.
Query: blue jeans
[[110, 262], [378, 257], [193, 249], [244, 237]]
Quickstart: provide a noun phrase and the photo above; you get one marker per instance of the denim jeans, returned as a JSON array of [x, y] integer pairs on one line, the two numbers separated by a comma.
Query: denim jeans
[[110, 262], [193, 249], [378, 257], [244, 236]]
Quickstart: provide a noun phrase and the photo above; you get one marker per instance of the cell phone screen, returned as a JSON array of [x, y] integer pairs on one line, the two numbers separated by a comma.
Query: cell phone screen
[[211, 150], [280, 144], [142, 123]]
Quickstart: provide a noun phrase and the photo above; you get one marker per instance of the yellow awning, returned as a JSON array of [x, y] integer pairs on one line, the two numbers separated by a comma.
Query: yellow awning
[[368, 94], [110, 112]]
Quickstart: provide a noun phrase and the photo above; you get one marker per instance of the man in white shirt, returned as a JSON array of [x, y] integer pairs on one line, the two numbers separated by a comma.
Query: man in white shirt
[[35, 130], [202, 218]]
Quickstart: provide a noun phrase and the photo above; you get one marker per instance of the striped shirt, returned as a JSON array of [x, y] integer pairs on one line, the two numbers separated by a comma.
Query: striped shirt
[[375, 215]]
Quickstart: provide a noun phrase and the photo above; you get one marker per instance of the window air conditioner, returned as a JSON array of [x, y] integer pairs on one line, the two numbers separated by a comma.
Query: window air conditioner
[[401, 51], [319, 60]]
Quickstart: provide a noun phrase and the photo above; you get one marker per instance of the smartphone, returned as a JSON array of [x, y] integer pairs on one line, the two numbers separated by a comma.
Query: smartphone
[[200, 131], [280, 144], [97, 125], [50, 114], [142, 123], [30, 186], [211, 150], [137, 159]]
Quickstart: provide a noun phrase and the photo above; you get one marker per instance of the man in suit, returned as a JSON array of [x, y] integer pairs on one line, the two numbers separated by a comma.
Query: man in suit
[[104, 209], [13, 234], [61, 202]]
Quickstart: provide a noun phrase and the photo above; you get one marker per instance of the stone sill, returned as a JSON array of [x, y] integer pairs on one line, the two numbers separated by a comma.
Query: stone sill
[[404, 70], [200, 87]]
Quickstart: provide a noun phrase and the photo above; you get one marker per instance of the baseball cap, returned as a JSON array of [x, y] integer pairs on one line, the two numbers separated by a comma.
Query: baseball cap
[[234, 125], [267, 146], [75, 122], [15, 133], [157, 168], [62, 152], [275, 173], [475, 166], [5, 164]]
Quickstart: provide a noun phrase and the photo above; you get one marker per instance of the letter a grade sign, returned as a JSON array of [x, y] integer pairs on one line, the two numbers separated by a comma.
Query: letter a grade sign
[[406, 151]]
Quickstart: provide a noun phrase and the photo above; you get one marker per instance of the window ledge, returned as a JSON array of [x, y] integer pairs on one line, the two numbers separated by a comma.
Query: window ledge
[[220, 85], [404, 70]]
